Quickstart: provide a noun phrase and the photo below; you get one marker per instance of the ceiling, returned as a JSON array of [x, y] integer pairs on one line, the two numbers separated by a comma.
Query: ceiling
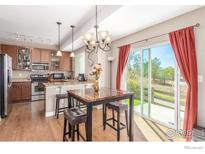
[[36, 26]]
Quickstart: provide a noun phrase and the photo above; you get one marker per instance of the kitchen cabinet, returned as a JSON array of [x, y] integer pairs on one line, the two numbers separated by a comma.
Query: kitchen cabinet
[[65, 62], [24, 59], [21, 91], [45, 56], [36, 55], [40, 55], [12, 51]]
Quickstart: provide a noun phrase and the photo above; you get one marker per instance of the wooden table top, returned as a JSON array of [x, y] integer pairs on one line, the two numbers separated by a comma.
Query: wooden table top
[[87, 95]]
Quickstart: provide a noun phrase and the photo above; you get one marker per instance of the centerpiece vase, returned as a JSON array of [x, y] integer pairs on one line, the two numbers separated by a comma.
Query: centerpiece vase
[[96, 85]]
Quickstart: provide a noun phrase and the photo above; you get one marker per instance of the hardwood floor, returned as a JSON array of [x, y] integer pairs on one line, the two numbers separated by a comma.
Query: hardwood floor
[[26, 122]]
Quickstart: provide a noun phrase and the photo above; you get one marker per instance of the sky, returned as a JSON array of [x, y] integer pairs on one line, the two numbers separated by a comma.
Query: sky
[[164, 53]]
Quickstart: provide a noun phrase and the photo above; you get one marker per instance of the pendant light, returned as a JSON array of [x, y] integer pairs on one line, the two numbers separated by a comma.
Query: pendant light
[[72, 53], [59, 53]]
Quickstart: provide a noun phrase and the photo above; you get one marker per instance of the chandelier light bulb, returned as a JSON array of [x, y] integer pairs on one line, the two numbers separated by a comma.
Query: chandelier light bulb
[[88, 37], [93, 42], [103, 34], [108, 39]]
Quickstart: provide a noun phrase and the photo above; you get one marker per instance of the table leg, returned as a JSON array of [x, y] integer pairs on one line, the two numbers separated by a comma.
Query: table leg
[[69, 106], [131, 118], [89, 122], [103, 115]]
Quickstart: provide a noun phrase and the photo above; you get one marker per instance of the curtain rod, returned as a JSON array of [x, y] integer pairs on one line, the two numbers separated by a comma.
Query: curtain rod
[[196, 25]]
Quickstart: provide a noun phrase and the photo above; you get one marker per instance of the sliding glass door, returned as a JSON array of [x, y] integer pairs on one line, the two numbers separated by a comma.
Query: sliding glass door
[[154, 78]]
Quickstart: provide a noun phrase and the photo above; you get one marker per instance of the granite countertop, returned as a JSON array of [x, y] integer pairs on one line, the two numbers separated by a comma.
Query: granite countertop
[[21, 80], [66, 83]]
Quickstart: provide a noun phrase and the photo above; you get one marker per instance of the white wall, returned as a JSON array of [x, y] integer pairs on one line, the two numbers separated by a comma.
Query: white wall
[[179, 22]]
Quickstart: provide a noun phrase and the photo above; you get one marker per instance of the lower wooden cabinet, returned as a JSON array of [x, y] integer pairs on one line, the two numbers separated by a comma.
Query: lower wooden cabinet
[[21, 91]]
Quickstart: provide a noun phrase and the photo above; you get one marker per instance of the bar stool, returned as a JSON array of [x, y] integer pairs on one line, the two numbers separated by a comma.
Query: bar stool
[[74, 117], [58, 98], [118, 107]]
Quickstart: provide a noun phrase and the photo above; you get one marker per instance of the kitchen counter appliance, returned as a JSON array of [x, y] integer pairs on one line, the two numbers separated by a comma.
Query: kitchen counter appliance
[[38, 90], [5, 84], [81, 77], [40, 66], [57, 76]]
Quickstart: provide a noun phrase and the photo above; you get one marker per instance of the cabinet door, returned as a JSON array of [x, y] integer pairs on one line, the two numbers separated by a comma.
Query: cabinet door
[[26, 91], [36, 55], [11, 50], [45, 56], [65, 62], [15, 92]]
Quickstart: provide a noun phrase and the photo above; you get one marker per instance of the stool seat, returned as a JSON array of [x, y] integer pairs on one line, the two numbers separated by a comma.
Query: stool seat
[[117, 106], [61, 96], [75, 116]]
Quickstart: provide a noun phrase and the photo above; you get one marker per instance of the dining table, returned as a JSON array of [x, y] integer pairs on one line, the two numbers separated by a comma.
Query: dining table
[[89, 98]]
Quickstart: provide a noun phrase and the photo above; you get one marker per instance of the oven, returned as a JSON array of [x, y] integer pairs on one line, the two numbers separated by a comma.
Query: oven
[[38, 90]]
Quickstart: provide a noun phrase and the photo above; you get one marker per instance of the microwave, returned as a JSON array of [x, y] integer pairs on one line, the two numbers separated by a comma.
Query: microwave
[[40, 66], [57, 76]]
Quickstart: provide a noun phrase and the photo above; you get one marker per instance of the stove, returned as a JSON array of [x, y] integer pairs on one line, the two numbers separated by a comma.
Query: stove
[[38, 91]]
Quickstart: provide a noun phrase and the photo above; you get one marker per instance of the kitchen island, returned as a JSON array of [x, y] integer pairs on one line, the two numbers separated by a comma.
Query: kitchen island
[[53, 88]]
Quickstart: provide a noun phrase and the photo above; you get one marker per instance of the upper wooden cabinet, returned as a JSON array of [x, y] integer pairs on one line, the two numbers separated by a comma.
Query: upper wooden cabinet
[[36, 55], [40, 55], [12, 51], [45, 56], [65, 62]]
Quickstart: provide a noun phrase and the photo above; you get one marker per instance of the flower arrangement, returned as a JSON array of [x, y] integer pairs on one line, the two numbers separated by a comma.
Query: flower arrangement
[[96, 72]]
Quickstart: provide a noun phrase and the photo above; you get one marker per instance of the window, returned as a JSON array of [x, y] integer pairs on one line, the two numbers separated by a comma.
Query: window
[[159, 90], [79, 63]]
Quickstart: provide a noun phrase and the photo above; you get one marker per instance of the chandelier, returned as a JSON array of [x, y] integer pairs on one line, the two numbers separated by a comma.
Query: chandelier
[[101, 40]]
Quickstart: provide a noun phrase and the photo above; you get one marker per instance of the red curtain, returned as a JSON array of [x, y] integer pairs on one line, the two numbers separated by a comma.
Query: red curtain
[[122, 60], [183, 44]]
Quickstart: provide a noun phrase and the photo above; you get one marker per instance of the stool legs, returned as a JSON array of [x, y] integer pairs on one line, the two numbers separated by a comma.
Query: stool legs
[[64, 128], [126, 119], [118, 126], [78, 134], [105, 117], [57, 108], [73, 133], [113, 116], [69, 129]]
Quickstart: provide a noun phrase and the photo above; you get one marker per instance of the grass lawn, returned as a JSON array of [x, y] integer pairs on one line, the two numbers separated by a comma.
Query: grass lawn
[[136, 102], [164, 97]]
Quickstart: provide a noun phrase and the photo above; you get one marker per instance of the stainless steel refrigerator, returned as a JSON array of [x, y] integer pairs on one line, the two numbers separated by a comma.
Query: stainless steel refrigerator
[[5, 84]]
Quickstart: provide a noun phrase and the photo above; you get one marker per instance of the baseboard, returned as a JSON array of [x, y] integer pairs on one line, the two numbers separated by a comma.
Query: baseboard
[[50, 114]]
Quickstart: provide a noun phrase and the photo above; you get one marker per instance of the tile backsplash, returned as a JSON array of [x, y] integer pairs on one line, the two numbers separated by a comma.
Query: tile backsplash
[[26, 74]]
